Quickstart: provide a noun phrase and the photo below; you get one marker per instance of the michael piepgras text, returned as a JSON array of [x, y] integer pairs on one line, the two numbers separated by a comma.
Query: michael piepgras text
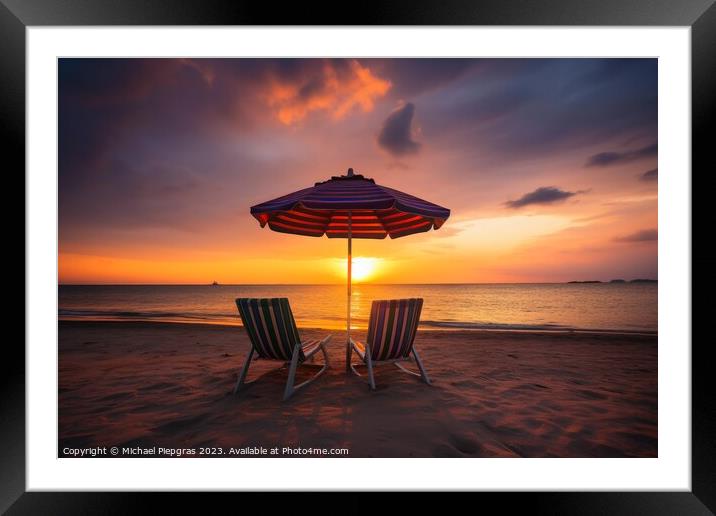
[[209, 451]]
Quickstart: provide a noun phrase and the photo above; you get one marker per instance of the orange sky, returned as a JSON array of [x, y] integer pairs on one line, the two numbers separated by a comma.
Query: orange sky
[[548, 166]]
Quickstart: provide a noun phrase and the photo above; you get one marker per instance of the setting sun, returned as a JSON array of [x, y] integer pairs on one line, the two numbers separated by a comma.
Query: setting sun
[[363, 268]]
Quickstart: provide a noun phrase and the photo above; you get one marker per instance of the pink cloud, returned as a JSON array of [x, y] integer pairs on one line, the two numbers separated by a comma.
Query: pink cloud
[[336, 91]]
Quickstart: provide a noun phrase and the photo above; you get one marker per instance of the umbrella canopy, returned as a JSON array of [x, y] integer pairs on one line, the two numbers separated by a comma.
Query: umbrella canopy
[[350, 206]]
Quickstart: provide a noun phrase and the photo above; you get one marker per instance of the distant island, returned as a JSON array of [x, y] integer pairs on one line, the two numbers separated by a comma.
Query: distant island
[[638, 280]]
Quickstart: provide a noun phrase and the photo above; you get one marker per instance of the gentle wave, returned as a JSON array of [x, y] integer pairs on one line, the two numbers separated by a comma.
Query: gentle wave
[[493, 325], [464, 325], [68, 312], [225, 319], [64, 312]]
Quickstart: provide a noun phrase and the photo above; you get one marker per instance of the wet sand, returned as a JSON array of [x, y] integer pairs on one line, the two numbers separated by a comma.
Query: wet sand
[[494, 394]]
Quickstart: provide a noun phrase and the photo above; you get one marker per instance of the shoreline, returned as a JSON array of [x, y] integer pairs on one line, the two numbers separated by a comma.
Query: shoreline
[[422, 327]]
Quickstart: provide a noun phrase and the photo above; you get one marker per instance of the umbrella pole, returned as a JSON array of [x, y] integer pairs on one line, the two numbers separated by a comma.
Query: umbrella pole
[[348, 303]]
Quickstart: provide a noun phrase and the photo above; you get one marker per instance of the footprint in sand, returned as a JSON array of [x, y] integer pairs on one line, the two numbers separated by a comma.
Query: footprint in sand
[[465, 444]]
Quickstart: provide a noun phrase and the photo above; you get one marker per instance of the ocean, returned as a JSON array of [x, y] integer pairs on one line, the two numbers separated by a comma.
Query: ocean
[[625, 307]]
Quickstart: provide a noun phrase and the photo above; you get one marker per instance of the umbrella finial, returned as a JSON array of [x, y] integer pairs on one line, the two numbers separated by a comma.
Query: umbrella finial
[[350, 172]]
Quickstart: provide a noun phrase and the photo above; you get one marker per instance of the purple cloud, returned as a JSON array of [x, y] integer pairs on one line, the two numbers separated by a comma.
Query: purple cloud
[[644, 235], [396, 135], [542, 195], [607, 159]]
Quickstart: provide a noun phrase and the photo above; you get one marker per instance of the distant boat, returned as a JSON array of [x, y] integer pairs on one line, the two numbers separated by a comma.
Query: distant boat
[[215, 284]]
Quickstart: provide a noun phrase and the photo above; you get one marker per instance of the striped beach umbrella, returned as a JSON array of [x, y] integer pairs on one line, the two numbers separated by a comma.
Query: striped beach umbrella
[[350, 206]]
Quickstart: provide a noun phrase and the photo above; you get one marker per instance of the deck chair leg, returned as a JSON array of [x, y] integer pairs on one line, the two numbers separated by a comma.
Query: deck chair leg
[[349, 357], [369, 363], [423, 374], [292, 373], [244, 371]]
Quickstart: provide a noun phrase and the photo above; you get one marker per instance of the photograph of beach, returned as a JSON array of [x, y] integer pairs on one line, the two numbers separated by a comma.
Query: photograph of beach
[[303, 257]]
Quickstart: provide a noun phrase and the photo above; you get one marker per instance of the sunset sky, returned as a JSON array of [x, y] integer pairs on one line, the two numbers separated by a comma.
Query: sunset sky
[[549, 167]]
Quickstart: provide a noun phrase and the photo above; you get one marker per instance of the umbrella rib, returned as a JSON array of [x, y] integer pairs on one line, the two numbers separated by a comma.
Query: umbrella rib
[[380, 219]]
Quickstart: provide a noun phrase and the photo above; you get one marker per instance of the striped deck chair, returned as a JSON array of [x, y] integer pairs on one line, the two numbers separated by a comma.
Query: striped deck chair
[[274, 336], [391, 334]]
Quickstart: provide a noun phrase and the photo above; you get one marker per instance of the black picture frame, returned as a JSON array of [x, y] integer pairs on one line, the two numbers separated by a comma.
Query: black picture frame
[[700, 15]]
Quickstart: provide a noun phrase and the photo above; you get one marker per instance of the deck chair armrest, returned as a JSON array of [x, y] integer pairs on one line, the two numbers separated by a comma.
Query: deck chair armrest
[[321, 345], [358, 348]]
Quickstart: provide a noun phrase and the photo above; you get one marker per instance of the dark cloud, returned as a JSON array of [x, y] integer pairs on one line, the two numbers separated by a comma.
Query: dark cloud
[[396, 135], [527, 108], [606, 159], [104, 102], [543, 195], [645, 235], [175, 113], [650, 175], [411, 77]]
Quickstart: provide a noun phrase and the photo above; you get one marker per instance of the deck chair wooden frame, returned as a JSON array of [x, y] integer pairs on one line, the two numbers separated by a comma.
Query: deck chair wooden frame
[[392, 328], [272, 331]]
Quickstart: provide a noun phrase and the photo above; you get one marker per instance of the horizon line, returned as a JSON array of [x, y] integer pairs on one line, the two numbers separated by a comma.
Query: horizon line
[[616, 280]]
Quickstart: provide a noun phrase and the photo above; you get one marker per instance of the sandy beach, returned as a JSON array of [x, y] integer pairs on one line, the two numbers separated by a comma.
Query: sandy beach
[[494, 394]]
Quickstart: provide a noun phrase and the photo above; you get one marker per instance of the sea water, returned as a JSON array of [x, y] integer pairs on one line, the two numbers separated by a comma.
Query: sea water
[[628, 307]]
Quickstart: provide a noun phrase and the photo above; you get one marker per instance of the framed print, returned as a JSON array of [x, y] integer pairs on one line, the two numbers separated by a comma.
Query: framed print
[[426, 251]]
